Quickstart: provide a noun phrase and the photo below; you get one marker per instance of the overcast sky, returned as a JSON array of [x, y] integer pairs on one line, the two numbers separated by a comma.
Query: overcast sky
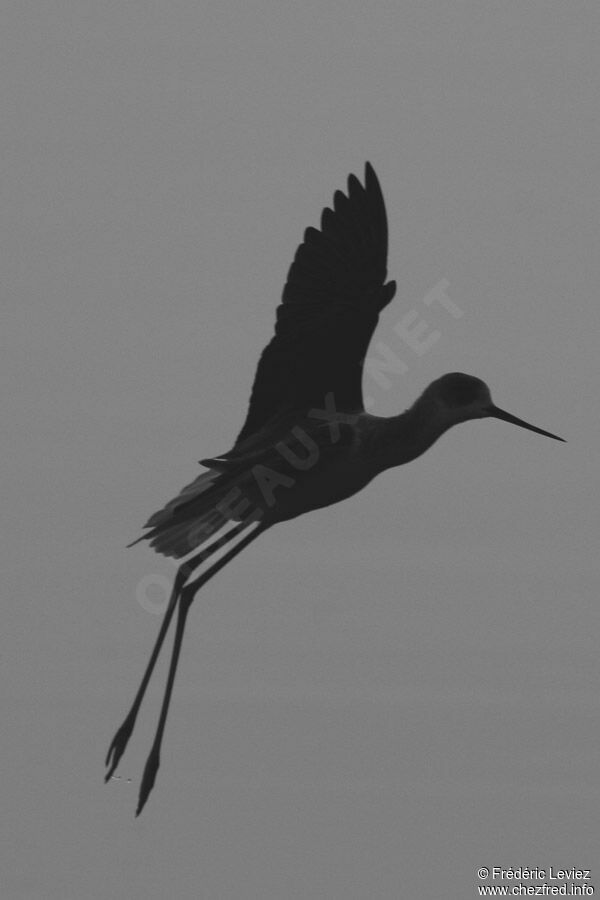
[[382, 697]]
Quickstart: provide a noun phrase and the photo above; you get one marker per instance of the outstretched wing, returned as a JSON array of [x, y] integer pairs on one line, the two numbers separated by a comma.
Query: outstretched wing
[[331, 302]]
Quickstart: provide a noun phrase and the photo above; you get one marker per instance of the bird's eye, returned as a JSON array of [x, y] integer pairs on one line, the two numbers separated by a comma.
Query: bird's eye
[[460, 390]]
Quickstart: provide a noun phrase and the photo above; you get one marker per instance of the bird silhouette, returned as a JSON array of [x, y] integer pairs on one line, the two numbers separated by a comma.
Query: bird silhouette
[[307, 441]]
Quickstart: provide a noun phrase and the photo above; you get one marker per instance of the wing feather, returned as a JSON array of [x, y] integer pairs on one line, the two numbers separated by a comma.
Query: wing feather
[[335, 290]]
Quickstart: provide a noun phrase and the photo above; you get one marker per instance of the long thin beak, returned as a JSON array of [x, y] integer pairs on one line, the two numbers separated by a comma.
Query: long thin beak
[[497, 413]]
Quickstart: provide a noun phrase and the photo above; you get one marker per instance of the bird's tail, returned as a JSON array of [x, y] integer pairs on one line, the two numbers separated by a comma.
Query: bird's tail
[[194, 515]]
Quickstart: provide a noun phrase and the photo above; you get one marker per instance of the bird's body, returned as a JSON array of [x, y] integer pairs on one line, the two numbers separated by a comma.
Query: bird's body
[[307, 441], [298, 467]]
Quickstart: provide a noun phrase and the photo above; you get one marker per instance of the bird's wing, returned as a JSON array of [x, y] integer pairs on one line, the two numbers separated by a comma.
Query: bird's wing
[[303, 437], [331, 302], [319, 433]]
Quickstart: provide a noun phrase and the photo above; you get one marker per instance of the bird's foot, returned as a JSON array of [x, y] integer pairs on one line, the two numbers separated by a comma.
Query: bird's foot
[[118, 745], [148, 779]]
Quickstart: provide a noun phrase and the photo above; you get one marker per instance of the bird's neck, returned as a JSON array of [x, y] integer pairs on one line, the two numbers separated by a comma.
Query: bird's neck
[[410, 434]]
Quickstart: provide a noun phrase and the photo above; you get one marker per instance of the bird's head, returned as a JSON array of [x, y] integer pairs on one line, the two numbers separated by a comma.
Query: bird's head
[[459, 397]]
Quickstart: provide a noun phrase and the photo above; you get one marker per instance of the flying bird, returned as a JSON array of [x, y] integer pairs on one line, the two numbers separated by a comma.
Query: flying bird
[[307, 441]]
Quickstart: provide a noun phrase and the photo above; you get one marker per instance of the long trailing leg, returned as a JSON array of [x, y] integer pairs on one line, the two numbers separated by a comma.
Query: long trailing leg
[[186, 599], [121, 738]]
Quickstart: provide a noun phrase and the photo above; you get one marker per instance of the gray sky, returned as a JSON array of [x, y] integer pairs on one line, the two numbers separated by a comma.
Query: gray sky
[[378, 699]]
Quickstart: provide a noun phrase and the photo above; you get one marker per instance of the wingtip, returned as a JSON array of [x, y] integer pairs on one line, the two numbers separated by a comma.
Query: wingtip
[[369, 174], [372, 183]]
